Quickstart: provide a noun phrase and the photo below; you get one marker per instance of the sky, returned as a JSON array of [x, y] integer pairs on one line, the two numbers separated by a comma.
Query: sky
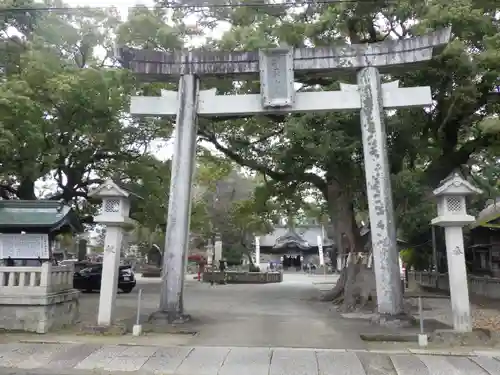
[[123, 8]]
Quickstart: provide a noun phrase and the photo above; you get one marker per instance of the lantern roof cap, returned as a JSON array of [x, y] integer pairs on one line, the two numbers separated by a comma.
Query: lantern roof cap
[[112, 189], [455, 184]]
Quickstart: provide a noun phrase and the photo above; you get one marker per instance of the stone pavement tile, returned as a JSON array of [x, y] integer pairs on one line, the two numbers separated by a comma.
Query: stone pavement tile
[[139, 351], [125, 364], [293, 362], [14, 353], [8, 348], [247, 361], [41, 357], [377, 364], [203, 361], [338, 363], [438, 365], [166, 360], [101, 357], [465, 366], [407, 364], [131, 359], [109, 351], [71, 355], [19, 348], [490, 365], [27, 355]]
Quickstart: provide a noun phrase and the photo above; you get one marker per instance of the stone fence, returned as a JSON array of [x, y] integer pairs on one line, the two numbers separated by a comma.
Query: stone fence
[[478, 285], [37, 299], [35, 280]]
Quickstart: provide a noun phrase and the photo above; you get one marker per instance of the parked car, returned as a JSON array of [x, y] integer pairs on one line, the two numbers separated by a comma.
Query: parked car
[[89, 279], [68, 262]]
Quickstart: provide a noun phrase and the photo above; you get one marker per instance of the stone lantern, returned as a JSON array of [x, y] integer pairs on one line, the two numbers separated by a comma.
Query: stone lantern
[[115, 216], [115, 203], [452, 215]]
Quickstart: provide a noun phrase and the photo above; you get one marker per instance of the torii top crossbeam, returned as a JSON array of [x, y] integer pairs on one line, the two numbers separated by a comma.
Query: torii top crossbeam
[[386, 56]]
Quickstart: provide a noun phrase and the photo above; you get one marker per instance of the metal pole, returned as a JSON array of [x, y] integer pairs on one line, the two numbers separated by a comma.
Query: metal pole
[[139, 298], [421, 314], [213, 270], [434, 250], [176, 236]]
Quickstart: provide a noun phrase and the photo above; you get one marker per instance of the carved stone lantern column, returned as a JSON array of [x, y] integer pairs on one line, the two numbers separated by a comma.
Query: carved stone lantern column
[[115, 216], [452, 215]]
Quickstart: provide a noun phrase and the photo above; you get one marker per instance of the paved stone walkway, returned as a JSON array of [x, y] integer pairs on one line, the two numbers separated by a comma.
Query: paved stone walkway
[[58, 359], [287, 314]]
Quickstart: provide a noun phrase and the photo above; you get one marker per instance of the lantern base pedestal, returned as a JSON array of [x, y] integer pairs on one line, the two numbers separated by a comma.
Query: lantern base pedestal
[[394, 321], [422, 340], [162, 322], [164, 317], [137, 330]]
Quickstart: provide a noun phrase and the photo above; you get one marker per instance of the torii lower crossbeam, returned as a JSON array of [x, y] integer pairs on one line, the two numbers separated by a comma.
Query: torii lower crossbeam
[[347, 98]]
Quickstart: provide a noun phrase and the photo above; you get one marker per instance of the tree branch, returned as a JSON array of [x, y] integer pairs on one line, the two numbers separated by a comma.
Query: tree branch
[[275, 175], [446, 163]]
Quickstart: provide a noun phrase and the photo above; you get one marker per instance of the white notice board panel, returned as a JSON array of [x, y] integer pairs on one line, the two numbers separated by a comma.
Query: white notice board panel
[[24, 246]]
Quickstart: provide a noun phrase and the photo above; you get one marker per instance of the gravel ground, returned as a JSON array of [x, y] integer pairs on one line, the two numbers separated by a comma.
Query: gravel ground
[[485, 312]]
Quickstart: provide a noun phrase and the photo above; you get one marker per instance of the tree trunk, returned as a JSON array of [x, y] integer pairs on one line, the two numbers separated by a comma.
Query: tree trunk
[[340, 203], [356, 286], [26, 189]]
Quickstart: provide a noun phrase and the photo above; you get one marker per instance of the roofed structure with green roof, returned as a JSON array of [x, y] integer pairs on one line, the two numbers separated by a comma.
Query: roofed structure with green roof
[[38, 216], [484, 250]]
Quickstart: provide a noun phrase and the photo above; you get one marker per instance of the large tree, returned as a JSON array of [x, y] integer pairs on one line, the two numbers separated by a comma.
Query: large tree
[[63, 108]]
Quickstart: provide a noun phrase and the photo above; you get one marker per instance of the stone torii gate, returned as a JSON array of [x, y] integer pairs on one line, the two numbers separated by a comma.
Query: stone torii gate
[[276, 68]]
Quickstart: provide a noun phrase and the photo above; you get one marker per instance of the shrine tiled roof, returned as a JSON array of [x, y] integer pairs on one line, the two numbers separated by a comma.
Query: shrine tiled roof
[[291, 238], [489, 217], [46, 215], [304, 237]]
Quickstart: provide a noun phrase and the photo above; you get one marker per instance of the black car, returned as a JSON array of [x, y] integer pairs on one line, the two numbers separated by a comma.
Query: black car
[[89, 279]]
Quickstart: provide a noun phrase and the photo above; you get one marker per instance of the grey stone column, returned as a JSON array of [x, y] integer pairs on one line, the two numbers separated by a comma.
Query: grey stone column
[[378, 186], [179, 206]]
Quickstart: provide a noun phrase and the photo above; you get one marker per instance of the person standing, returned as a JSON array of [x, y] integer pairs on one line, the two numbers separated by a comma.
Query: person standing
[[201, 267], [222, 269]]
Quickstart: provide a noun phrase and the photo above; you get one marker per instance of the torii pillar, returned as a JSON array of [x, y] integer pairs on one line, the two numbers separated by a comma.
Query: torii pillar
[[276, 68]]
